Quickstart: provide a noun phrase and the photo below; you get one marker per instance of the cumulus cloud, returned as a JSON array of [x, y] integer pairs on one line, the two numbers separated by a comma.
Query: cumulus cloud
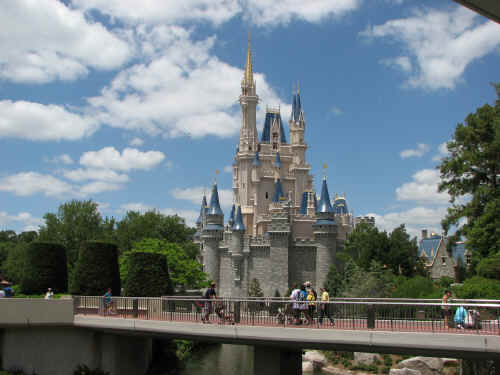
[[440, 44], [136, 142], [195, 194], [423, 188], [189, 216], [129, 159], [160, 12], [442, 152], [105, 175], [421, 149], [44, 40], [60, 159], [96, 187], [26, 219], [228, 169], [415, 219], [157, 96], [29, 183], [39, 122], [273, 13]]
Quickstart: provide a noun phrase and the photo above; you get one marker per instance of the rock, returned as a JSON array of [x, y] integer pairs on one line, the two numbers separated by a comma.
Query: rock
[[316, 358], [307, 366], [335, 371], [404, 371], [425, 365], [450, 362], [366, 358]]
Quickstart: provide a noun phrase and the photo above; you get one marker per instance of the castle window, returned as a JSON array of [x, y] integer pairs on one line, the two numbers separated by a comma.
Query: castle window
[[443, 260], [267, 195], [467, 259]]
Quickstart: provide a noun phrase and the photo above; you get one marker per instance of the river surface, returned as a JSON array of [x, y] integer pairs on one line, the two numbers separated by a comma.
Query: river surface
[[223, 360]]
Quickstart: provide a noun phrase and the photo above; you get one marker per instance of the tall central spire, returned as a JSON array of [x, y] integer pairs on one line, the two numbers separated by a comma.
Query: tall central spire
[[248, 79]]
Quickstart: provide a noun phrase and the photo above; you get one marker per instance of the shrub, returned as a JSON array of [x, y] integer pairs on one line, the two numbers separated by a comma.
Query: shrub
[[44, 267], [85, 370], [479, 287], [147, 275], [96, 269], [416, 287], [489, 267]]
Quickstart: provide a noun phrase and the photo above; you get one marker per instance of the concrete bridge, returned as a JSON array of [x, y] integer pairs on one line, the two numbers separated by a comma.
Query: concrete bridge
[[52, 337]]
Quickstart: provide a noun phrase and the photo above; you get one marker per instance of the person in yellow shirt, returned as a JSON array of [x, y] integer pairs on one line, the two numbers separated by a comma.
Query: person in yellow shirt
[[310, 306], [325, 307]]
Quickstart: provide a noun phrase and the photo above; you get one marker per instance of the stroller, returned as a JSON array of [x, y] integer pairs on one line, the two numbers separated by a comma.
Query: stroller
[[285, 314], [460, 316], [224, 316], [472, 320]]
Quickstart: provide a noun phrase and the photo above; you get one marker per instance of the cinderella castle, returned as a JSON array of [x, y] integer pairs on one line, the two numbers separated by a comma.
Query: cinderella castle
[[279, 232]]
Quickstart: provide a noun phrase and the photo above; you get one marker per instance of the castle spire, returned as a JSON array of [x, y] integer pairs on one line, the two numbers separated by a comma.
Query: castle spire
[[238, 221], [214, 208], [325, 205], [202, 210], [248, 78], [278, 192]]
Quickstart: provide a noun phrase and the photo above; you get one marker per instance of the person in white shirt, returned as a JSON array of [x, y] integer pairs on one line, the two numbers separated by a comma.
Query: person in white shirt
[[49, 294], [2, 293]]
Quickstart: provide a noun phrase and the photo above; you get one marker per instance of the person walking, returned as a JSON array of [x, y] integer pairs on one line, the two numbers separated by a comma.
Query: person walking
[[108, 302], [445, 309], [325, 307], [210, 294], [295, 305], [302, 304], [310, 306], [49, 294]]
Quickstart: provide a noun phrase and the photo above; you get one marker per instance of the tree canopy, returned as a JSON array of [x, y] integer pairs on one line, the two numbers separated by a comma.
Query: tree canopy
[[471, 176]]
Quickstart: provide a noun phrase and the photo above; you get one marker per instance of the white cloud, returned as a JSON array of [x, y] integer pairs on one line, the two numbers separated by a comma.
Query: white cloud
[[129, 159], [401, 62], [443, 152], [105, 175], [135, 206], [44, 40], [157, 96], [415, 219], [136, 142], [41, 122], [195, 195], [440, 44], [27, 220], [421, 149], [96, 187], [423, 188], [189, 216], [29, 183], [228, 169], [164, 12], [60, 159], [273, 13]]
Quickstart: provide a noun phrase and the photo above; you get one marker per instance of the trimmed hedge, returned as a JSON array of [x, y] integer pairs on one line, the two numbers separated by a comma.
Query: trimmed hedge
[[147, 275], [96, 269], [45, 267]]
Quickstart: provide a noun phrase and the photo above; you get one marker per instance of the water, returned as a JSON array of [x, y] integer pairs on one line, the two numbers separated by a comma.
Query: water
[[223, 360]]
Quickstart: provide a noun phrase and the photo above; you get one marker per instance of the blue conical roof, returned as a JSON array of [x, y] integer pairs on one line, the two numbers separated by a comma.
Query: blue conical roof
[[238, 221], [203, 207], [324, 204], [231, 216], [214, 208], [296, 107], [256, 161], [303, 203], [278, 192], [277, 162], [266, 131]]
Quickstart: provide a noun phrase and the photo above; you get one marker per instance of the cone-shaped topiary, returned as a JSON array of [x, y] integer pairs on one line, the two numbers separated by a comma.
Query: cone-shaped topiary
[[147, 275], [96, 269], [45, 267]]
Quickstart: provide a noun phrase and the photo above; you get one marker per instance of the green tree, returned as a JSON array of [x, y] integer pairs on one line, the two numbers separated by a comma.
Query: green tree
[[366, 243], [415, 287], [334, 281], [136, 226], [13, 266], [402, 256], [470, 175], [490, 267], [377, 282], [185, 272], [147, 275], [479, 287], [75, 223]]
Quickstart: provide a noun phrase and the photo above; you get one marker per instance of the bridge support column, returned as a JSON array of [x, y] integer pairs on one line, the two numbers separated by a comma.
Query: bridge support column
[[277, 361]]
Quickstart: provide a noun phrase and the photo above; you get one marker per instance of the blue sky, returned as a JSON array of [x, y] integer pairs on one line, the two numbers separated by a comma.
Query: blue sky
[[135, 107]]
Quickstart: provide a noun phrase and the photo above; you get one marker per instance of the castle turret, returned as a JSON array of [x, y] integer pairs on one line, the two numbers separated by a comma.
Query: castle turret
[[212, 235], [238, 230], [248, 102], [325, 234]]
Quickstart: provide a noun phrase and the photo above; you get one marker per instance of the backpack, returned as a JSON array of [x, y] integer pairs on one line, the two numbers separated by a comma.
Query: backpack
[[302, 296]]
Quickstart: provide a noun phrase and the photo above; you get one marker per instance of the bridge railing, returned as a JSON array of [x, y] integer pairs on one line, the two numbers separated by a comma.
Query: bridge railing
[[345, 314]]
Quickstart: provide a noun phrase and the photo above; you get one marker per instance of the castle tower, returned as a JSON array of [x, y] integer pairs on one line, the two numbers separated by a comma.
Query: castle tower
[[211, 235], [279, 235], [238, 230], [325, 234]]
